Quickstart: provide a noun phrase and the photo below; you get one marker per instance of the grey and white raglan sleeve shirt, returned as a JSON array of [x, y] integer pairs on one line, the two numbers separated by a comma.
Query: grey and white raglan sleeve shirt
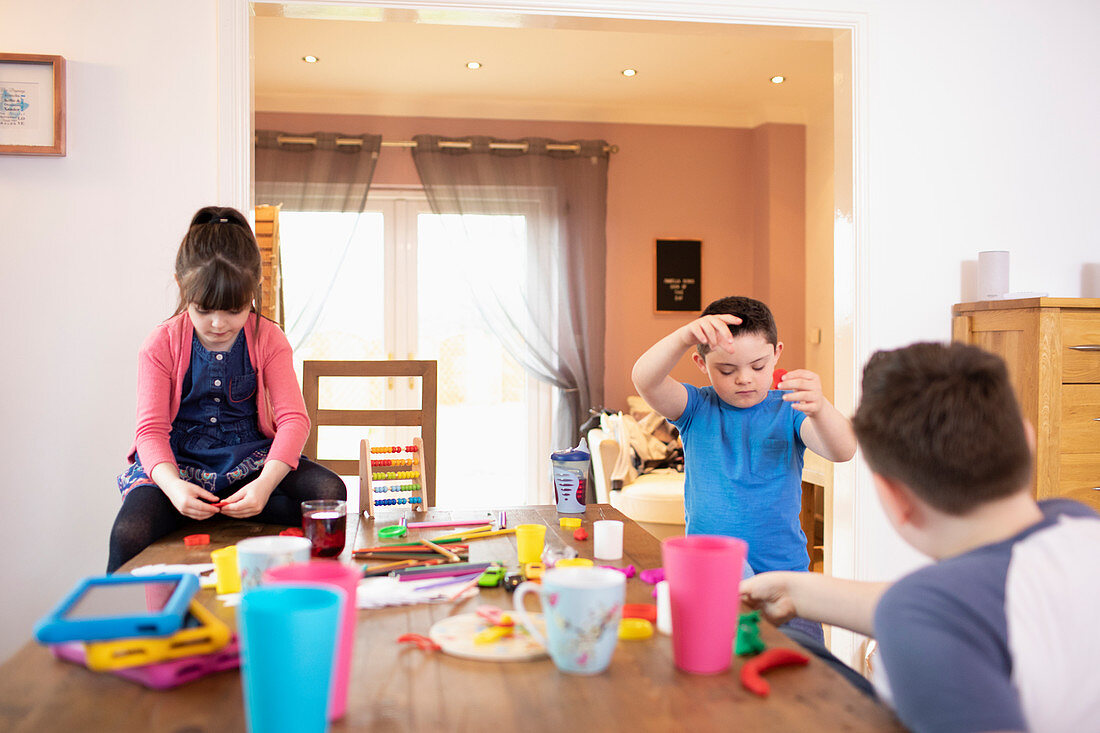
[[1004, 637]]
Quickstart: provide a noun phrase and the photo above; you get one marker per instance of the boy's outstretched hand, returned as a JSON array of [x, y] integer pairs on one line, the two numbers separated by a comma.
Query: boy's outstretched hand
[[804, 391], [769, 593], [712, 330]]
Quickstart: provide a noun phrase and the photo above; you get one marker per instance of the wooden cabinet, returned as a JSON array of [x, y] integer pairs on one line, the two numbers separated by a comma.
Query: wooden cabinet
[[1052, 348]]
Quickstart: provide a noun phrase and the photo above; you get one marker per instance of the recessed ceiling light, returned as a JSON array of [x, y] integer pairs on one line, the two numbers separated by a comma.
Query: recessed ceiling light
[[473, 64], [778, 79], [630, 72], [310, 59]]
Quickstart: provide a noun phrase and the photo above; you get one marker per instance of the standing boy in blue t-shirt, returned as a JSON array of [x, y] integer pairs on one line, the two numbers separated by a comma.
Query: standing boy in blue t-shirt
[[743, 442]]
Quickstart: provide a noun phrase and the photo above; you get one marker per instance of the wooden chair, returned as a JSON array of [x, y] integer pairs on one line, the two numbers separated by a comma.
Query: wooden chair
[[424, 418]]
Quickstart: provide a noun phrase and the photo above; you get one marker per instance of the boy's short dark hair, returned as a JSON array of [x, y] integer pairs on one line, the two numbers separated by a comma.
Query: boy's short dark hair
[[943, 420], [755, 318]]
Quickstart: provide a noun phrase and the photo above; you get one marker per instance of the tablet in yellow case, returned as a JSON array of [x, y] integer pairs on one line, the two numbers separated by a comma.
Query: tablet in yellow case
[[202, 633]]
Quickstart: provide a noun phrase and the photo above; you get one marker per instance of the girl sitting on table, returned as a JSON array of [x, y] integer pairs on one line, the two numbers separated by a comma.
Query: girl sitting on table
[[220, 417]]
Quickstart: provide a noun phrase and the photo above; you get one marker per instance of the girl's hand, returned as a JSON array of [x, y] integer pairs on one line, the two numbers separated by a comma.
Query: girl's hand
[[770, 594], [804, 391], [712, 330], [190, 500], [248, 501]]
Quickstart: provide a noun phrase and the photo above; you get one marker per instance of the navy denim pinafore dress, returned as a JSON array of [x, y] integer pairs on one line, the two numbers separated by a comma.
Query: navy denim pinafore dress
[[215, 435]]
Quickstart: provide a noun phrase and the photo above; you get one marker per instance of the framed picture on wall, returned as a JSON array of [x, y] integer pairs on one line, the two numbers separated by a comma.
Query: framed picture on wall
[[32, 104], [679, 266]]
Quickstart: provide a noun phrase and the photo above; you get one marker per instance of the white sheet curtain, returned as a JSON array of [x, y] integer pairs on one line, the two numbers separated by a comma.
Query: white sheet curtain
[[553, 321], [322, 175]]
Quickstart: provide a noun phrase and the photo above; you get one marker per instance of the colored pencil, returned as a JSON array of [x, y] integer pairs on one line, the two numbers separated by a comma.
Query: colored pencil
[[426, 525], [449, 581], [493, 533], [442, 551], [450, 535], [443, 571], [418, 547], [472, 583], [407, 556], [436, 540], [387, 567]]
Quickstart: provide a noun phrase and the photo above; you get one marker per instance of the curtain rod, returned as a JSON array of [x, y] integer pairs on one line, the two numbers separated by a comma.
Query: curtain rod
[[464, 144]]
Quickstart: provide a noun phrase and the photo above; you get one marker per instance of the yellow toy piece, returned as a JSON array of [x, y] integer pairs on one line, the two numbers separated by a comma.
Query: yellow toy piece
[[635, 629], [574, 562], [208, 635], [569, 522], [533, 571]]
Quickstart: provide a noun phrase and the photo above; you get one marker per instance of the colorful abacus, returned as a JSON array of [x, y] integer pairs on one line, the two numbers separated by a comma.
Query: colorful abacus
[[410, 494]]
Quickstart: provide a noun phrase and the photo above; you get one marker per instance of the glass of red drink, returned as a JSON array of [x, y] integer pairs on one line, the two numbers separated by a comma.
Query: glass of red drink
[[324, 524]]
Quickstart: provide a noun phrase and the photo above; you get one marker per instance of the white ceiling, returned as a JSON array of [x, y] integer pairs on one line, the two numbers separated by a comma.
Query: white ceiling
[[410, 63]]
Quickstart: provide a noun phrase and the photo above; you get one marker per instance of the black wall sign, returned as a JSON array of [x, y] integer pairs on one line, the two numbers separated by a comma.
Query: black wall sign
[[679, 267]]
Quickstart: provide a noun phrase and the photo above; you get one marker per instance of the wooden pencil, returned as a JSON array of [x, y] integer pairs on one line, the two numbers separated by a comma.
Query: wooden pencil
[[442, 551]]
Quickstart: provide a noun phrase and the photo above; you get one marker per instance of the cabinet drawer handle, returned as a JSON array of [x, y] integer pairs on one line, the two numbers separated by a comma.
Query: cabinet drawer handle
[[1086, 347]]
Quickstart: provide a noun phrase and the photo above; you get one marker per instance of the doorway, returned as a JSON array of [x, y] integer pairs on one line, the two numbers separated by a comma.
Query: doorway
[[846, 221]]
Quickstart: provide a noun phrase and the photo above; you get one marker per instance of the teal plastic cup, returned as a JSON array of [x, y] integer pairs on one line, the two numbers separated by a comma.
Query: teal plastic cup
[[288, 643]]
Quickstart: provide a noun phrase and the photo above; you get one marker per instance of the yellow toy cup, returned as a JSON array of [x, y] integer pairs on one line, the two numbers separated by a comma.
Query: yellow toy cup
[[225, 565], [529, 539]]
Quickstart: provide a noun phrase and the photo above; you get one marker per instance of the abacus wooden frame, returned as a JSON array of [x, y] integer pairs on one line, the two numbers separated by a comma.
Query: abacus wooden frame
[[424, 418]]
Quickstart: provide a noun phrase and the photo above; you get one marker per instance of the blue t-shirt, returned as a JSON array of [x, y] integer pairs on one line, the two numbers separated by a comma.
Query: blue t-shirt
[[1002, 637], [743, 475]]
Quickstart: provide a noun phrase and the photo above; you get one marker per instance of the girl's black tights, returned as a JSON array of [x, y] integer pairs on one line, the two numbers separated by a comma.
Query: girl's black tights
[[147, 515]]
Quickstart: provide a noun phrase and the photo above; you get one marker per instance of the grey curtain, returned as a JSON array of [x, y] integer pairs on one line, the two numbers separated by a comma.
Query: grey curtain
[[322, 175], [552, 322]]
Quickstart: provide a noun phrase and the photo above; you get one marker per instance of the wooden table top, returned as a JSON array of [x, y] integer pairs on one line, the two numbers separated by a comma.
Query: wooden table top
[[397, 687]]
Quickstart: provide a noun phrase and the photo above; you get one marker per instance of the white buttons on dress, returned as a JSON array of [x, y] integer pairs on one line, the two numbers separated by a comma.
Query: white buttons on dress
[[217, 382], [217, 399], [219, 357], [213, 419]]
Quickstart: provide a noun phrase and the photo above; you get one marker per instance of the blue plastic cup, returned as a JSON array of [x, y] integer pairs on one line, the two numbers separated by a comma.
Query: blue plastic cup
[[288, 642]]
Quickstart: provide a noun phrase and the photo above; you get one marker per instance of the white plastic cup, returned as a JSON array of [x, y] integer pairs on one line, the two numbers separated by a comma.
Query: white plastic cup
[[664, 608], [607, 542]]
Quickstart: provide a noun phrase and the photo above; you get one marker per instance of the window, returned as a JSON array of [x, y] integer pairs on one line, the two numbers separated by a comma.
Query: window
[[395, 292]]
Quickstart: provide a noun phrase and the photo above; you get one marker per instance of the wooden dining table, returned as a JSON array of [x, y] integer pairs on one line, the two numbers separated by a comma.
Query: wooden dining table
[[399, 687]]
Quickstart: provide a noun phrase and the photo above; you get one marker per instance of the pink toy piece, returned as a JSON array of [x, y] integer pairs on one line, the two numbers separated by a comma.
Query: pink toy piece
[[580, 535], [162, 675], [628, 571], [653, 575]]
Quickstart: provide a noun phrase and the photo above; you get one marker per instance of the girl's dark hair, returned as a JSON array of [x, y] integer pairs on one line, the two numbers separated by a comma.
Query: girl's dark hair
[[218, 263], [943, 420]]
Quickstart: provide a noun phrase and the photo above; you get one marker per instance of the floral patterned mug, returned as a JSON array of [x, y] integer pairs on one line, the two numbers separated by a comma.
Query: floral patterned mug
[[582, 608]]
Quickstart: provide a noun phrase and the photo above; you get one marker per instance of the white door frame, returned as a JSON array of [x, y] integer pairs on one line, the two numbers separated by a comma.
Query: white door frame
[[851, 175]]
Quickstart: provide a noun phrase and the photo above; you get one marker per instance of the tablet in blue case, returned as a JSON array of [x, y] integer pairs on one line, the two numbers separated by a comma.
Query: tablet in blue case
[[119, 606]]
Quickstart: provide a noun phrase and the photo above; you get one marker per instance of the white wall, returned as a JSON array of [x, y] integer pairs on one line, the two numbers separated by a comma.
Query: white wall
[[981, 134], [86, 249]]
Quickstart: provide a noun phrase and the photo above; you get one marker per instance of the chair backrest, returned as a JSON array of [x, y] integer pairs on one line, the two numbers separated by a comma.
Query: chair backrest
[[424, 418]]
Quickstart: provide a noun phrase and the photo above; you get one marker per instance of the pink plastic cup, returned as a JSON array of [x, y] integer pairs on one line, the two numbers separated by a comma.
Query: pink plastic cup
[[704, 575], [329, 573]]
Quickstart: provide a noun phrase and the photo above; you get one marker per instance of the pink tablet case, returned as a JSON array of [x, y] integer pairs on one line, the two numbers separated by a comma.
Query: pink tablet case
[[163, 675]]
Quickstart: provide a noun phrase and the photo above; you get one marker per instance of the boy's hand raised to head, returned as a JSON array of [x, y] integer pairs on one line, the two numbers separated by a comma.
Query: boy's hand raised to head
[[804, 391], [712, 330]]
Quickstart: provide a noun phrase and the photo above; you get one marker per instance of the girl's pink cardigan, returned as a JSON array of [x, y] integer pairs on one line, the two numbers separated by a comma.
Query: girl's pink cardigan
[[162, 365]]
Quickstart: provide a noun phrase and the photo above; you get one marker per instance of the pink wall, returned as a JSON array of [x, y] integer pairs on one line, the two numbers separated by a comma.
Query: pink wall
[[665, 182], [779, 271]]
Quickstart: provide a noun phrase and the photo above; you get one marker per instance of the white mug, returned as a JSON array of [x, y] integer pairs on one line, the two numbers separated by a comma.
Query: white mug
[[256, 554]]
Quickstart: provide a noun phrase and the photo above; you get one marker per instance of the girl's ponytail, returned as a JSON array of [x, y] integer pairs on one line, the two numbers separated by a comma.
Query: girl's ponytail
[[218, 264]]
